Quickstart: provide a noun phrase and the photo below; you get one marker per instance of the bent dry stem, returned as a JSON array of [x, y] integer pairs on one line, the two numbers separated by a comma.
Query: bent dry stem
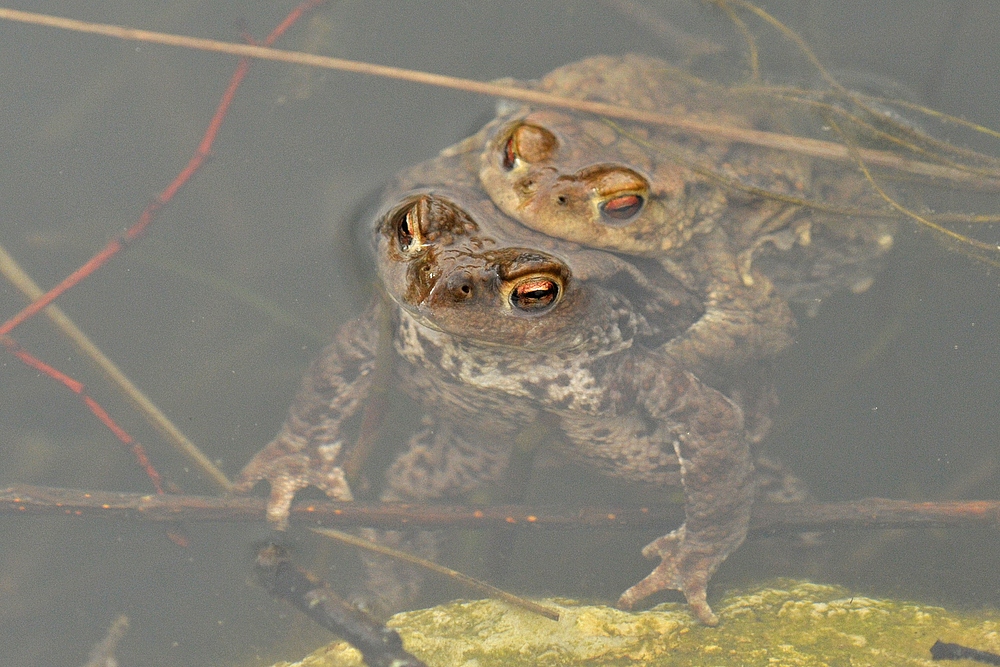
[[454, 575]]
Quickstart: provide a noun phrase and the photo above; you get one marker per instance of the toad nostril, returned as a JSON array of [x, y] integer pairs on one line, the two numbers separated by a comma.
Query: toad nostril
[[460, 286]]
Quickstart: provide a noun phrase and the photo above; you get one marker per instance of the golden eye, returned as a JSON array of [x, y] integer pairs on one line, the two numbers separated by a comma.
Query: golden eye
[[405, 224], [622, 207], [535, 294]]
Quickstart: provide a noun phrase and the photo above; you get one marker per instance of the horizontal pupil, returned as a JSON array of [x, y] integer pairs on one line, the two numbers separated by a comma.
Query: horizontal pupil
[[623, 207], [535, 294], [535, 287]]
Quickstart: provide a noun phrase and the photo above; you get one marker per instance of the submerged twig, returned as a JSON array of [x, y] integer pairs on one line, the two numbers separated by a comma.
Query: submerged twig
[[768, 518], [50, 501], [944, 651], [872, 513], [455, 575], [379, 645]]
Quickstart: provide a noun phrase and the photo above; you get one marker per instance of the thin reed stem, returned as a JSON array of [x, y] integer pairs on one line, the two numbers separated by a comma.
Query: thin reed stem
[[802, 145]]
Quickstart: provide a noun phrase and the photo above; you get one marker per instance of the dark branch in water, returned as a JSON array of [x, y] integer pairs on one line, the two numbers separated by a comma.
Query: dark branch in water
[[943, 651], [26, 499], [768, 518], [872, 513], [379, 646]]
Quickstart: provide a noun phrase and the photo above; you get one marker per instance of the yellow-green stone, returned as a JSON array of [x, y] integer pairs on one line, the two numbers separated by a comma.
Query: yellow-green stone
[[789, 623]]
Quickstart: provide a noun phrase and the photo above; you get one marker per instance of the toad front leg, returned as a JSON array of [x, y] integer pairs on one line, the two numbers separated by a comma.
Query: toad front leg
[[745, 320], [309, 449], [716, 472]]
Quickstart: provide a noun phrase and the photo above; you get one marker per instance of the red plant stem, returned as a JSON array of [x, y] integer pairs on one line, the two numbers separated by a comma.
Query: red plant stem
[[133, 233], [77, 387], [149, 214]]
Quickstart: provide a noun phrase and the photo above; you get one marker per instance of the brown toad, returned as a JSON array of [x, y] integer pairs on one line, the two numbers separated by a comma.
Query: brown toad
[[705, 206], [494, 324]]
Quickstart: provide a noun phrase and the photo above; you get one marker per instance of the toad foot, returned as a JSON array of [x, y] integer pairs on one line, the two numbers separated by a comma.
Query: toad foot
[[683, 569], [288, 474]]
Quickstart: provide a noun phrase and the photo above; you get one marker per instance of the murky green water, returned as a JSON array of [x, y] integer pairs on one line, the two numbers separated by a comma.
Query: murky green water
[[93, 128]]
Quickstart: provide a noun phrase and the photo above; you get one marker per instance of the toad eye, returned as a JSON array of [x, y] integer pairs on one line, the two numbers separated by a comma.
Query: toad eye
[[535, 294], [509, 154], [622, 207], [405, 223], [530, 143]]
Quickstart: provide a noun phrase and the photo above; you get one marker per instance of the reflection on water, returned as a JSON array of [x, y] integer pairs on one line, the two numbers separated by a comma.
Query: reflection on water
[[888, 393]]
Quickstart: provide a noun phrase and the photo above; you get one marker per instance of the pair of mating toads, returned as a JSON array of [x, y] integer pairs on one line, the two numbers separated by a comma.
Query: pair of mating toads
[[632, 280]]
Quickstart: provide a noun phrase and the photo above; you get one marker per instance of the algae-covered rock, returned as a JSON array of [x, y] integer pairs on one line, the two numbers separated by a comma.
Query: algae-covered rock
[[788, 623]]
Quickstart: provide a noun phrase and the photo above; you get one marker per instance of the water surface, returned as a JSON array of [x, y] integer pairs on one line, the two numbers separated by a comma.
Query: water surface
[[890, 393]]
